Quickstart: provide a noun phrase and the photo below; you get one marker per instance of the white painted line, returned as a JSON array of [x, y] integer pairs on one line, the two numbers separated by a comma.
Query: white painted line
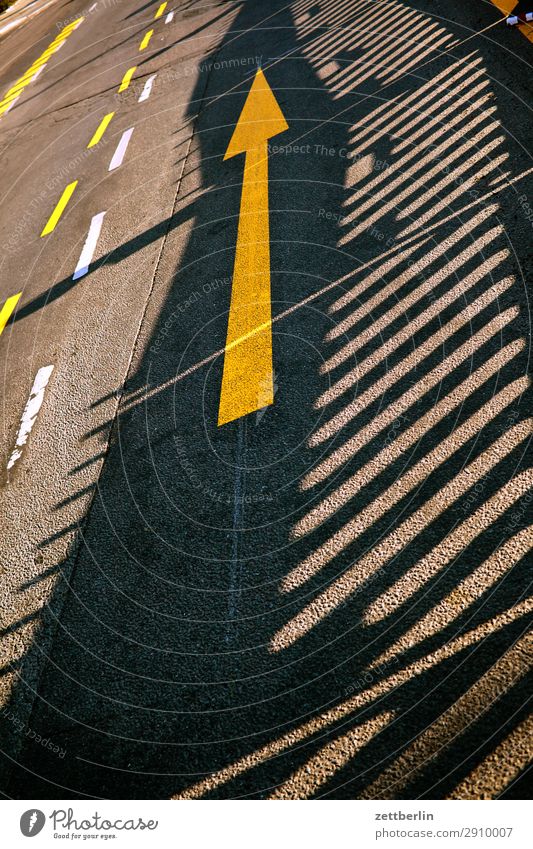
[[11, 104], [119, 153], [12, 24], [147, 88], [31, 410], [91, 8], [169, 17], [37, 72], [89, 247], [21, 20]]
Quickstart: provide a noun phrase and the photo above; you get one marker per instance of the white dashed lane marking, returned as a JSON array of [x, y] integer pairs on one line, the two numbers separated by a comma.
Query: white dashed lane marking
[[89, 247], [38, 71], [120, 152], [145, 94]]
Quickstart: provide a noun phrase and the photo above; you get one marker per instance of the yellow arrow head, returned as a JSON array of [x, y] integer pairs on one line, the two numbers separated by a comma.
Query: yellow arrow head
[[260, 119]]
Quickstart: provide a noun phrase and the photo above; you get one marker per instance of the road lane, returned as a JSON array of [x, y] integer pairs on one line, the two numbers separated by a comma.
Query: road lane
[[30, 413]]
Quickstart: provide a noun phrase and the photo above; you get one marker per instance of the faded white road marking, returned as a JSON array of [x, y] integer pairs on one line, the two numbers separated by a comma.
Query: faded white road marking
[[91, 8], [169, 17], [87, 253], [38, 71], [119, 153], [145, 94], [30, 412]]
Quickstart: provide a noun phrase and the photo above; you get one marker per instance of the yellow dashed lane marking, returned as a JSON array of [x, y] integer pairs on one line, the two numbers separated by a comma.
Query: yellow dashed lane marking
[[160, 11], [58, 211], [7, 309], [104, 123], [144, 43], [21, 83], [126, 79]]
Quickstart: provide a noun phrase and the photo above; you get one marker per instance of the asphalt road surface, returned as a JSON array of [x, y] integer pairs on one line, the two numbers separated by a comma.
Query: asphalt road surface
[[326, 595]]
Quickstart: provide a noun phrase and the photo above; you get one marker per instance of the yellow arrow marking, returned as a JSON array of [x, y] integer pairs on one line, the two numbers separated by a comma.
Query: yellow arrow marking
[[60, 206], [247, 379], [7, 309]]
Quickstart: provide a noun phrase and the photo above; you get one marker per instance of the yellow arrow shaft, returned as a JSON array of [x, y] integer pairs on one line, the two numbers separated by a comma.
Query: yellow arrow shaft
[[247, 380]]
